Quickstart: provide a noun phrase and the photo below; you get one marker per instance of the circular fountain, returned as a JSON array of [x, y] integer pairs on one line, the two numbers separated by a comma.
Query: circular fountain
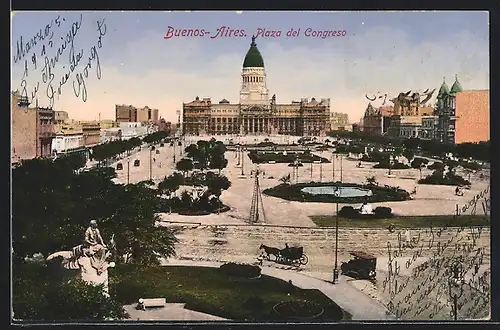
[[338, 191]]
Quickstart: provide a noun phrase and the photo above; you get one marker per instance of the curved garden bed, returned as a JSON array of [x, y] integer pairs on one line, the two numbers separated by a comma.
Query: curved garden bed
[[242, 271], [380, 193], [289, 157], [301, 310], [191, 212]]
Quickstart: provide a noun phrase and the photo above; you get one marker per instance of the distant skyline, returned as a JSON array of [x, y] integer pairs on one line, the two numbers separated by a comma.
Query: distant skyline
[[386, 52]]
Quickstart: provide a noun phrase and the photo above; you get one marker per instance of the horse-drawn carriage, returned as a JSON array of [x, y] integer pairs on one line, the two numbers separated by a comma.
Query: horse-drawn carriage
[[288, 255]]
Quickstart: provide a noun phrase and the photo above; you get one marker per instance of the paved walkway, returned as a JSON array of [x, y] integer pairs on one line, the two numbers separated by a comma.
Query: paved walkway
[[171, 312], [359, 305]]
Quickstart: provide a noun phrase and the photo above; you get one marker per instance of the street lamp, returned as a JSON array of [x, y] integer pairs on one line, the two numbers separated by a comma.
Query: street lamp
[[321, 170], [341, 170], [334, 156], [336, 193], [151, 163], [242, 161], [128, 170], [456, 286]]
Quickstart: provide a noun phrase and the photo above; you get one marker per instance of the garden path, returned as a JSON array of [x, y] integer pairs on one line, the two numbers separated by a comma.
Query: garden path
[[359, 305]]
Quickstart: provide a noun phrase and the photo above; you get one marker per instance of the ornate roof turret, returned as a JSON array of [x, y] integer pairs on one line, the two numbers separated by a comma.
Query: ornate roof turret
[[443, 91], [370, 110], [253, 59], [456, 88]]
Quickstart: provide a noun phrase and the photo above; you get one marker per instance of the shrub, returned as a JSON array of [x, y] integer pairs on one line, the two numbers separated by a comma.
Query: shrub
[[375, 157], [382, 212], [471, 166], [241, 270], [450, 179], [348, 212], [395, 166], [436, 166]]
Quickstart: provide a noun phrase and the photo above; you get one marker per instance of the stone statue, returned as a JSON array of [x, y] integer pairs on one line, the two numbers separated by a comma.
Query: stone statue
[[91, 257], [94, 246]]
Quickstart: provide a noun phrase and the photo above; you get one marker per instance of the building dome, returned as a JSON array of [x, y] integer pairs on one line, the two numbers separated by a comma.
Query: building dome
[[253, 59], [443, 91], [456, 88]]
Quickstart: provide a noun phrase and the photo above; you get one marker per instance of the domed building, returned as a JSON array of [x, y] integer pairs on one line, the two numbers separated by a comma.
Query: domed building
[[256, 113]]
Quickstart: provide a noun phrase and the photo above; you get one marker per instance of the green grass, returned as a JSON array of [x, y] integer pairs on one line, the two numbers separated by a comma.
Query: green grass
[[208, 290], [424, 221]]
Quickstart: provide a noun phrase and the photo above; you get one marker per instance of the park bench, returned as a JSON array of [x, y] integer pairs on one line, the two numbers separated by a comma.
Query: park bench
[[151, 303]]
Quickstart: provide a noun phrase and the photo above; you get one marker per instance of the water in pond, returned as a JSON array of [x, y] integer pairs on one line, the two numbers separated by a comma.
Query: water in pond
[[342, 191]]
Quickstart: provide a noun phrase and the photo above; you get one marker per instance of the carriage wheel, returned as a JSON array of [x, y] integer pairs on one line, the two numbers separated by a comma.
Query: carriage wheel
[[304, 260]]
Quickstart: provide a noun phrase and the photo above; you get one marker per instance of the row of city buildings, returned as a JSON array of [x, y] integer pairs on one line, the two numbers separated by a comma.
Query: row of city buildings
[[458, 116], [44, 132]]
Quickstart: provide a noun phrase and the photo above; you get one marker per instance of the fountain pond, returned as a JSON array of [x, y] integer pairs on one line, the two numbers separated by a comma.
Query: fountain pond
[[342, 192]]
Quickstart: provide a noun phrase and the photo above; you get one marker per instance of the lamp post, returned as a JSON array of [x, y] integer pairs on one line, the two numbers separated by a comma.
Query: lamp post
[[321, 170], [128, 170], [335, 269], [151, 163], [341, 170], [333, 165], [174, 151], [456, 287], [242, 161], [311, 171]]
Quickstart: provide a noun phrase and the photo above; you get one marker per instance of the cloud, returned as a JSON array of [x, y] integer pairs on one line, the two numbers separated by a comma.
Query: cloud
[[164, 75]]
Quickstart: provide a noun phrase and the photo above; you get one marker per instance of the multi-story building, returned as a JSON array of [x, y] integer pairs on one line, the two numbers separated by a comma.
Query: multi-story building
[[45, 131], [91, 133], [473, 116], [338, 121], [108, 123], [24, 129], [429, 126], [377, 121], [165, 126], [256, 113], [464, 116], [129, 113], [66, 142], [32, 129], [60, 117], [405, 126]]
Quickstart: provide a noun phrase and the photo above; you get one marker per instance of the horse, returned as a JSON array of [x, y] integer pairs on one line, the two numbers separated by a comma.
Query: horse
[[270, 251]]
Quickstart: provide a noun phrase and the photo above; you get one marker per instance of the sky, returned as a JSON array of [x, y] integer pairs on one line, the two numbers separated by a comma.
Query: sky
[[128, 60]]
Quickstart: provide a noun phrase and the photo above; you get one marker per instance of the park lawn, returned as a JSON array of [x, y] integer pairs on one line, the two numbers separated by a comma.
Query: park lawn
[[424, 221], [208, 290]]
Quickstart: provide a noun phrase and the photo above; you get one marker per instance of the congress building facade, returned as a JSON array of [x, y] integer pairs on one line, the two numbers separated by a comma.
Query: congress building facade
[[256, 113]]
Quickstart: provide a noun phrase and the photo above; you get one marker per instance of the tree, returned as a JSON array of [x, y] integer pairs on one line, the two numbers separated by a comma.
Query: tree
[[43, 293], [409, 154], [372, 181], [218, 162], [286, 179], [419, 163], [217, 183], [171, 183], [184, 165]]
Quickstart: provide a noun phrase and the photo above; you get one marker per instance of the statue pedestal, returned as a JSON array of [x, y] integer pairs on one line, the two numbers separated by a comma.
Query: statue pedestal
[[89, 274]]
